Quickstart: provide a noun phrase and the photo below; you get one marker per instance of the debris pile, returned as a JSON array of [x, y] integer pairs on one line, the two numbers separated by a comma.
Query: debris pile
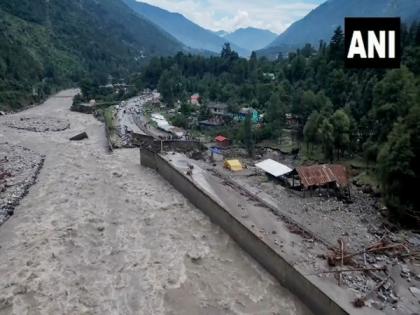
[[38, 124], [377, 272], [19, 168]]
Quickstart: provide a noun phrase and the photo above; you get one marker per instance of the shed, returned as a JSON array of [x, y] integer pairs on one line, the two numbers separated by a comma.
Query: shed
[[321, 175], [274, 168], [222, 140], [233, 165]]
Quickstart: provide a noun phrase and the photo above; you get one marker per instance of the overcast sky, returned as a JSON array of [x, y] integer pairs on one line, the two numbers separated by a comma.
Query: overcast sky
[[229, 15]]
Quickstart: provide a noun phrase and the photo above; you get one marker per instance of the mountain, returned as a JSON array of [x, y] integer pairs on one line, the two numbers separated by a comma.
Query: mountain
[[221, 33], [251, 38], [54, 43], [322, 21], [187, 32]]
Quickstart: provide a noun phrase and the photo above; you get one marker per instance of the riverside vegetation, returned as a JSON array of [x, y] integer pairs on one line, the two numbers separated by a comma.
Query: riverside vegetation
[[46, 45]]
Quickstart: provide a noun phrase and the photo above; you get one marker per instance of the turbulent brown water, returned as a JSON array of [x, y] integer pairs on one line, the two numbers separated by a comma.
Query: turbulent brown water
[[99, 234]]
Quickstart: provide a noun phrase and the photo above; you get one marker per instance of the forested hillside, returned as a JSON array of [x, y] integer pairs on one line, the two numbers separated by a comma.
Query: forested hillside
[[342, 113], [54, 43]]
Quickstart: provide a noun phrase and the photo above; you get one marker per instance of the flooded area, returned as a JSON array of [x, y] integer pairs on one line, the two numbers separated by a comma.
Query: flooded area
[[99, 234]]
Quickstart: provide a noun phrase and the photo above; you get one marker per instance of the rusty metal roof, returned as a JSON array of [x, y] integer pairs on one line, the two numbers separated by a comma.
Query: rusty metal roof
[[221, 138], [319, 175]]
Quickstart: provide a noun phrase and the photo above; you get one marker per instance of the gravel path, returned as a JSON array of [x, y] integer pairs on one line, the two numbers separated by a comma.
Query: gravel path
[[98, 234]]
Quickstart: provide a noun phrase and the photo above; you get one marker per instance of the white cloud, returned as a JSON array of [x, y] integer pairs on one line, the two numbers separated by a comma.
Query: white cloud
[[275, 15]]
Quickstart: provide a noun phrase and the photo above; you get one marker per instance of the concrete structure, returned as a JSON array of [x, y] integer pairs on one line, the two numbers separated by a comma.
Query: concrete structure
[[321, 297], [218, 109]]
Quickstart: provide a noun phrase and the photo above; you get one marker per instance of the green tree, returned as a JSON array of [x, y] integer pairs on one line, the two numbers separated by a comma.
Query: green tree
[[248, 137], [170, 85], [337, 49], [179, 120], [275, 114], [89, 89], [341, 123], [399, 168], [311, 130], [327, 138], [395, 172], [394, 96]]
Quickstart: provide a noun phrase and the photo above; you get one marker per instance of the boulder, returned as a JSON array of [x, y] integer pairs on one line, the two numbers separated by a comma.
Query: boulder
[[79, 137]]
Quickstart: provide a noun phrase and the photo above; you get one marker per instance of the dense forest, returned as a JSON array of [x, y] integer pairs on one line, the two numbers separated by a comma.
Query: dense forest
[[48, 44], [342, 112]]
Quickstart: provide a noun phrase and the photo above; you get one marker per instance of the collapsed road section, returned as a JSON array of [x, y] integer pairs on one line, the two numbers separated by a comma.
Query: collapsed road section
[[292, 258]]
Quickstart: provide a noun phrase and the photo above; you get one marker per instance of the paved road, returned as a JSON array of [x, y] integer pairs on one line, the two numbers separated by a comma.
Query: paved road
[[131, 118], [98, 234]]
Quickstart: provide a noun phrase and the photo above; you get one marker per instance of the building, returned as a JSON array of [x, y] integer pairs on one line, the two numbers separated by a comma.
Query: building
[[212, 122], [222, 141], [195, 99], [291, 120], [245, 111], [218, 109], [273, 168], [326, 175]]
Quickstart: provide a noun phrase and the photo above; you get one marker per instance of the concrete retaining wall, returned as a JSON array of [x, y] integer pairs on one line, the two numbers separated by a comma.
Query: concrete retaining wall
[[142, 140], [148, 158], [183, 146], [318, 301]]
